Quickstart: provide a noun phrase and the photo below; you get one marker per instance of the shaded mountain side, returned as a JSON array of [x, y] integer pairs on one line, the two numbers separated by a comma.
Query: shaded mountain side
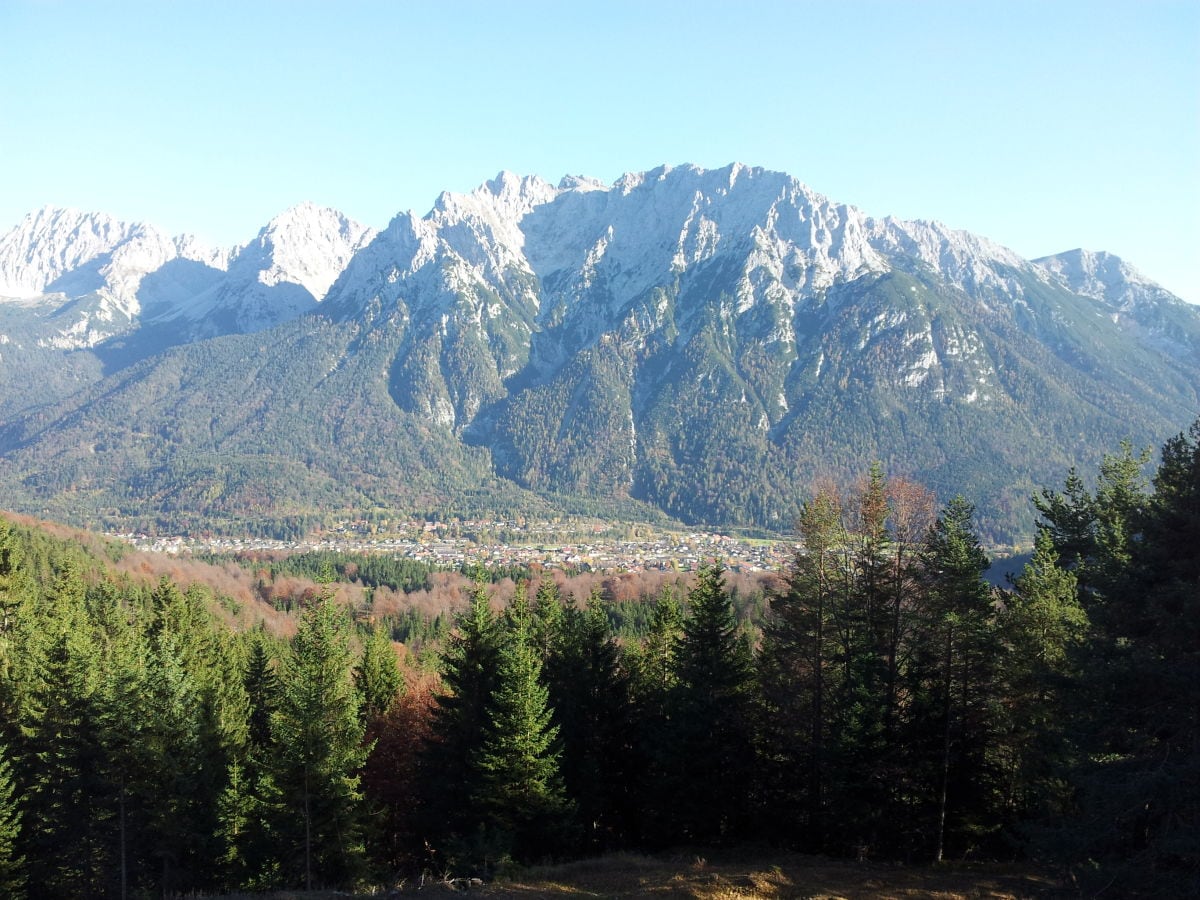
[[270, 431]]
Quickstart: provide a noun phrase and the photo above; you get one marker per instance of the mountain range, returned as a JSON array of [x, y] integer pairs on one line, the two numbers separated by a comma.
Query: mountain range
[[696, 344]]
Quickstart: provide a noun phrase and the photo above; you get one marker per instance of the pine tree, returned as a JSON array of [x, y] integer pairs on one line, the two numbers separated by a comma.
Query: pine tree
[[858, 771], [1120, 506], [1069, 518], [873, 558], [1094, 535]]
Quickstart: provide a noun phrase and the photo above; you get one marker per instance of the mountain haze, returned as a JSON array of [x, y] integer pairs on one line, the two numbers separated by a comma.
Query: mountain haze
[[700, 344]]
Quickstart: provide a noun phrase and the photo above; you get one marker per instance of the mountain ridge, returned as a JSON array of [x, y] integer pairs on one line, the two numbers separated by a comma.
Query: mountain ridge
[[700, 342]]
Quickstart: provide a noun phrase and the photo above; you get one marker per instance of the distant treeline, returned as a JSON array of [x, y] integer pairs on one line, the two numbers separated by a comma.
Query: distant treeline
[[881, 699]]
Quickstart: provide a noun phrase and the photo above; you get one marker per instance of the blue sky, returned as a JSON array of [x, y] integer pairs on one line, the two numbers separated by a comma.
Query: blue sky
[[1043, 125]]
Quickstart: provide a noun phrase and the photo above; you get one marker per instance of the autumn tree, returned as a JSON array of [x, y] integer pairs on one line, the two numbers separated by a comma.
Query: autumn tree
[[393, 779]]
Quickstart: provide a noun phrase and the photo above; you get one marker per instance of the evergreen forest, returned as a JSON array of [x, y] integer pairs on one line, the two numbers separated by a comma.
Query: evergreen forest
[[885, 702]]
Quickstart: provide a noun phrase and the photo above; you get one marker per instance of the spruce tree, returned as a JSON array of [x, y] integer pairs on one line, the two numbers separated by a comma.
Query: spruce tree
[[262, 692], [857, 769], [545, 627], [15, 587], [470, 662], [174, 775], [377, 676], [1095, 534], [1139, 709], [590, 694], [12, 863], [1043, 627], [318, 752], [224, 739], [249, 808], [795, 669], [520, 793], [652, 683], [63, 768], [652, 664], [19, 638], [709, 754], [124, 717], [958, 691]]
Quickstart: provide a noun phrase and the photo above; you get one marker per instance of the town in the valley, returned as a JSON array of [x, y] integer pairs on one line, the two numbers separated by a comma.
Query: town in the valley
[[594, 547]]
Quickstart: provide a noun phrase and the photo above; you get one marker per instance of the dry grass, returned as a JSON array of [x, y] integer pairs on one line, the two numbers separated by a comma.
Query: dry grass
[[633, 876], [679, 878]]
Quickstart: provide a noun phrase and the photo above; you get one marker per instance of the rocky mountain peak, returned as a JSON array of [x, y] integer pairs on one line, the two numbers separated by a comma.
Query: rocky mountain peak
[[53, 241], [308, 245], [1100, 275]]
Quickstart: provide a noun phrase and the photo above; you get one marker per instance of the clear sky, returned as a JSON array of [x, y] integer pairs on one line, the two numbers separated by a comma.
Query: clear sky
[[1044, 125]]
